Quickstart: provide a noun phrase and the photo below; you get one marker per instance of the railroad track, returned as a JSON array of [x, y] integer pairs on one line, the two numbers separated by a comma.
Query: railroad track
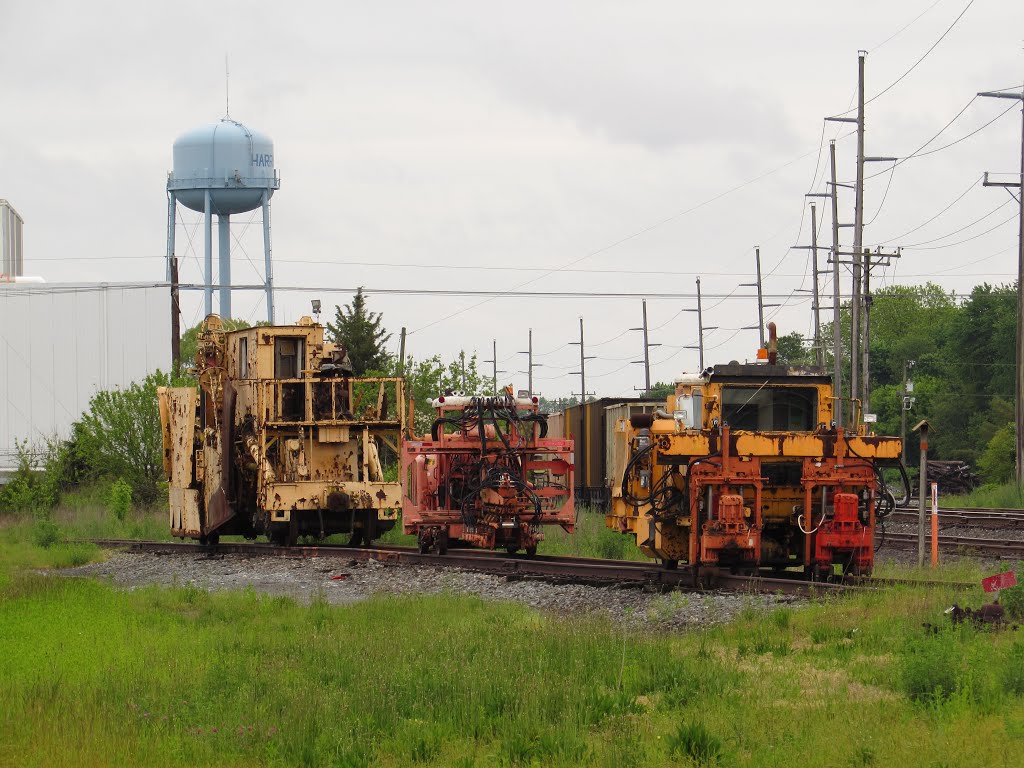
[[1012, 519], [563, 569], [1003, 550]]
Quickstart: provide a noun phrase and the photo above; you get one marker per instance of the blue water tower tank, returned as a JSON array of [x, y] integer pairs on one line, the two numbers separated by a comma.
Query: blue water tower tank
[[222, 169]]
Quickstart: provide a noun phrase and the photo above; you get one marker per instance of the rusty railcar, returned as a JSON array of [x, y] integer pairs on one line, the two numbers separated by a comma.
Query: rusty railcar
[[745, 468], [486, 476], [279, 439]]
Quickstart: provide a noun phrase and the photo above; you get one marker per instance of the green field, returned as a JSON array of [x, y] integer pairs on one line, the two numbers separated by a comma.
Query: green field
[[172, 675]]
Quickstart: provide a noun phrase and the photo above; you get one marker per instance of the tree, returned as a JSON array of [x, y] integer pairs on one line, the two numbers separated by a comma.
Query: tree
[[121, 436], [998, 460], [660, 390], [361, 333], [793, 350]]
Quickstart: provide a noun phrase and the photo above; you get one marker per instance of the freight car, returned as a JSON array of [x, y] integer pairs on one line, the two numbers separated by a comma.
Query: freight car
[[280, 439], [746, 468], [486, 476], [591, 427]]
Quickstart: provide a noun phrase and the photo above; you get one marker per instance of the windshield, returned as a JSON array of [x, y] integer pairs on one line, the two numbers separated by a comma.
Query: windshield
[[770, 409]]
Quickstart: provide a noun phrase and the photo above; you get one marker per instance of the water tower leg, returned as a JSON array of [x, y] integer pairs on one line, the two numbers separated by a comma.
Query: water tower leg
[[171, 199], [208, 256], [266, 255], [224, 227]]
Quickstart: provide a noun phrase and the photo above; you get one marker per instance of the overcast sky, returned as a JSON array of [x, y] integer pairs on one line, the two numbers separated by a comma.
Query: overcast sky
[[639, 144]]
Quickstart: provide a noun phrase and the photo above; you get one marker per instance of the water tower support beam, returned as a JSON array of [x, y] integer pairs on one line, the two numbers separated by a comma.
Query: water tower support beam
[[208, 255], [171, 203], [224, 269], [266, 255]]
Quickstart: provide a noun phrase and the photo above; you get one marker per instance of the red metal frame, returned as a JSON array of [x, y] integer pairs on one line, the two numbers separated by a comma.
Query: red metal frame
[[489, 490]]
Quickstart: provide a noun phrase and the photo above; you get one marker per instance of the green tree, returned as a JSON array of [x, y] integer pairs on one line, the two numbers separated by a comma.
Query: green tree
[[120, 435], [361, 333], [426, 379], [660, 390], [794, 350], [998, 461]]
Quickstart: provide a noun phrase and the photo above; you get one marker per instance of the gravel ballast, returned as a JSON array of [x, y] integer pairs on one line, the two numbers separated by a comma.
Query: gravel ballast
[[340, 581]]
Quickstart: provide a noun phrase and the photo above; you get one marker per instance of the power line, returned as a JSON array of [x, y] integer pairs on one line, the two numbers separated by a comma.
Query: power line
[[916, 63]]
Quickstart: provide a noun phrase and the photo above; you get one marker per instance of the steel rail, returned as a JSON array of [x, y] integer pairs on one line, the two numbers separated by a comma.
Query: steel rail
[[967, 545], [554, 568]]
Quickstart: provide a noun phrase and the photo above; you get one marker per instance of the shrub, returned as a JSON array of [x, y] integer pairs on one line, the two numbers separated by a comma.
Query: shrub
[[996, 462], [694, 741], [1012, 600], [119, 499], [1012, 672], [929, 668], [45, 533]]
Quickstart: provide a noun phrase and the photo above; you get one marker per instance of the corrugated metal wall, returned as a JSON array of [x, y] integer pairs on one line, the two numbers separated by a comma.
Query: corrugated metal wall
[[61, 343]]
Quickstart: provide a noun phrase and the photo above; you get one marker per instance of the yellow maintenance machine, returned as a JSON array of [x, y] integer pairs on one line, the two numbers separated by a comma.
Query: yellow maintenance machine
[[747, 468], [280, 439]]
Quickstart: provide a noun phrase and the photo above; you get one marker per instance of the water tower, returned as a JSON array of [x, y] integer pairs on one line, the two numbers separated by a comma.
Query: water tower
[[223, 168]]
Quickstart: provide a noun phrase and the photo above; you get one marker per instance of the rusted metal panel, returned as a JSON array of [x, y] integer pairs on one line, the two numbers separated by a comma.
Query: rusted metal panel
[[178, 420], [184, 506]]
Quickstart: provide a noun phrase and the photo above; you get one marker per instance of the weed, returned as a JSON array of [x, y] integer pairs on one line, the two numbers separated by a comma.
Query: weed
[[862, 757], [45, 532], [782, 618], [119, 499], [694, 741], [1012, 672], [1012, 600], [930, 668]]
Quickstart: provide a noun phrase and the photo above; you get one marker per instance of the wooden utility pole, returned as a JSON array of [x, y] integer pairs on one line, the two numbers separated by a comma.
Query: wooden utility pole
[[858, 233], [922, 491], [904, 407], [582, 372], [175, 318], [760, 298], [529, 363], [699, 346], [837, 328], [1019, 399], [401, 353], [819, 352], [647, 351]]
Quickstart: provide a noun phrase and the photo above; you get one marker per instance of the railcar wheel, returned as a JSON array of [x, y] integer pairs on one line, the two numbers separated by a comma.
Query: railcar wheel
[[531, 551], [356, 540], [442, 547], [670, 565], [511, 548], [424, 547]]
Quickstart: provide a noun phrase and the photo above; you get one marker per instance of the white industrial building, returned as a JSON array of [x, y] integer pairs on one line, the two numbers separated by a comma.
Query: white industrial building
[[12, 245], [60, 343]]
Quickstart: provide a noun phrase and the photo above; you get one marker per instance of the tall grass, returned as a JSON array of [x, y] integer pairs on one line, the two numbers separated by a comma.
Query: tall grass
[[90, 675], [1005, 496], [591, 538]]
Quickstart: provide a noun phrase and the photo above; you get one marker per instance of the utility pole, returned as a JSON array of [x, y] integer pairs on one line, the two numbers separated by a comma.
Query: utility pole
[[837, 330], [760, 298], [175, 318], [819, 352], [905, 403], [583, 411], [582, 372], [1019, 399], [530, 365], [401, 353], [494, 368], [858, 232], [700, 329], [647, 352]]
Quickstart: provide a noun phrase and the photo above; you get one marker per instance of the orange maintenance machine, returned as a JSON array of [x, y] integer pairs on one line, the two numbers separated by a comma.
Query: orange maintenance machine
[[746, 468], [486, 476]]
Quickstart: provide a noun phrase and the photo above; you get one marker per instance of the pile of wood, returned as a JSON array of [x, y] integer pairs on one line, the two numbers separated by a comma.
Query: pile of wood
[[954, 477]]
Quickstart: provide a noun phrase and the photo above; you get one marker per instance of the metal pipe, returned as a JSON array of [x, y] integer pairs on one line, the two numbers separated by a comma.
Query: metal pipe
[[266, 255], [208, 253], [224, 268]]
